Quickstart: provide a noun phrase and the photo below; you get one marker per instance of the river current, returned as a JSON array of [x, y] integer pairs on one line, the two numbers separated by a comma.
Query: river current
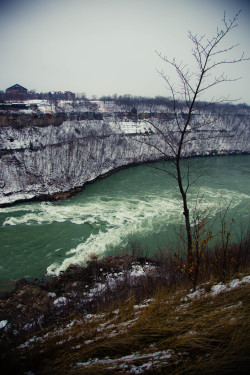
[[135, 205]]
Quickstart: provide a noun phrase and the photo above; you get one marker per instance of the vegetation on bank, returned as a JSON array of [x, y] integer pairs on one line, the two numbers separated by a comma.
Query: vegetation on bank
[[155, 323]]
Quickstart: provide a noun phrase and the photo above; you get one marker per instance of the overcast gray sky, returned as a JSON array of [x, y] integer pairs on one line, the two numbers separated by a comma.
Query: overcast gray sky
[[102, 47]]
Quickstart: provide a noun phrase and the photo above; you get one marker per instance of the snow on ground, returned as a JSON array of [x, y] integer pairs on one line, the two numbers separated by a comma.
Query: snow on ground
[[112, 280], [3, 323], [110, 283], [42, 105], [216, 289], [131, 127], [60, 301], [51, 106], [104, 328], [125, 363]]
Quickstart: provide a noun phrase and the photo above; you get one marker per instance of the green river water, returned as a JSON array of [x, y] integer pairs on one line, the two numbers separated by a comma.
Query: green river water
[[136, 204]]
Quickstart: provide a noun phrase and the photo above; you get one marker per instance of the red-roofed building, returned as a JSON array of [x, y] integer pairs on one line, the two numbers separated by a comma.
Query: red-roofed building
[[16, 89]]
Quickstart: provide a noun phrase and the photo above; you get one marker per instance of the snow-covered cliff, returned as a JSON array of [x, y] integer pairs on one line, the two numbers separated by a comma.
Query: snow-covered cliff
[[39, 161]]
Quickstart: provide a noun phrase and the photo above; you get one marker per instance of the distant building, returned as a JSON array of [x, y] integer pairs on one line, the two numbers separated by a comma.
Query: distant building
[[66, 95], [69, 95], [18, 92], [16, 89]]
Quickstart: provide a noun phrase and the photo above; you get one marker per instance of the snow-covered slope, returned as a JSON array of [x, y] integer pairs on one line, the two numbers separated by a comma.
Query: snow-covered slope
[[43, 160]]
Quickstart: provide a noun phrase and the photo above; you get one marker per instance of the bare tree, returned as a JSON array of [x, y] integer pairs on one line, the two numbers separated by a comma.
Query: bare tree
[[209, 56]]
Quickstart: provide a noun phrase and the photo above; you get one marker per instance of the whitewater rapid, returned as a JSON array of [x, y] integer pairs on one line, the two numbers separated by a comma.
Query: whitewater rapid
[[108, 221]]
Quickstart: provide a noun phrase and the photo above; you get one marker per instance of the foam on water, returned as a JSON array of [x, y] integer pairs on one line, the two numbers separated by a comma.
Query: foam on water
[[111, 211], [140, 218], [116, 211], [117, 221]]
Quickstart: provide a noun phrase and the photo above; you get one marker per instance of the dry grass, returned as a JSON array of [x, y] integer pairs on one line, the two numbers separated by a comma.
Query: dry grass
[[209, 335]]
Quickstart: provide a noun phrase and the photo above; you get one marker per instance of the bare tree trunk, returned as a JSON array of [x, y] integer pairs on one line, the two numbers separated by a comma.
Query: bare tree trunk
[[185, 212]]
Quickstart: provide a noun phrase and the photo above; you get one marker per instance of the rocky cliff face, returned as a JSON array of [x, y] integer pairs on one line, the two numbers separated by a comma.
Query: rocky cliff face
[[41, 160]]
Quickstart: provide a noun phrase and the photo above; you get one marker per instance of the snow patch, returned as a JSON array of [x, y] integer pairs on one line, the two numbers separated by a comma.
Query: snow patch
[[113, 280], [60, 301], [126, 363], [3, 323], [216, 289], [51, 294]]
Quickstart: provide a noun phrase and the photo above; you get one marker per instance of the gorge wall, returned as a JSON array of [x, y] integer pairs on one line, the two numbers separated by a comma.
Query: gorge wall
[[42, 159]]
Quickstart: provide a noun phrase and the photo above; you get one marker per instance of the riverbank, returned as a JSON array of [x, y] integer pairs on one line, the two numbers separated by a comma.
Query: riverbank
[[50, 158], [128, 314], [64, 195]]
